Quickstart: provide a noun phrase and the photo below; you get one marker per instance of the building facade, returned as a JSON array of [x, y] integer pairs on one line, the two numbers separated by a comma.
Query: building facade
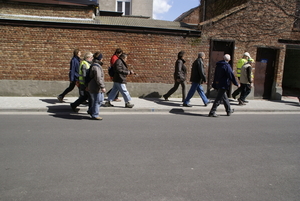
[[268, 30], [37, 42], [128, 7]]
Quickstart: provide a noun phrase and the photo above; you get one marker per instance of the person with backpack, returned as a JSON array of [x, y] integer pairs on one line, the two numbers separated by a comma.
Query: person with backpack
[[120, 81], [96, 86], [111, 72], [83, 72]]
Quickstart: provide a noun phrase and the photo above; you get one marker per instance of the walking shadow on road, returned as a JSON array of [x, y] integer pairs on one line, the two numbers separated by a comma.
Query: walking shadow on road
[[63, 110]]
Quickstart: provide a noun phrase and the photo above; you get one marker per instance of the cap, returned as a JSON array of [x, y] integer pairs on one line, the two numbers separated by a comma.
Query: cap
[[247, 54]]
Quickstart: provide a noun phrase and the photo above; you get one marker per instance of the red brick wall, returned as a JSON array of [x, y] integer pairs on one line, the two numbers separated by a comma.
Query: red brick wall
[[46, 10], [29, 53], [261, 24], [193, 18]]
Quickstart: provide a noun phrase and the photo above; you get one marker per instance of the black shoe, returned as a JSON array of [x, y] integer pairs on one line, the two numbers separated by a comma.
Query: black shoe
[[209, 101], [74, 108], [186, 105], [229, 113], [241, 102], [129, 105], [166, 98], [245, 101], [108, 104], [212, 115], [60, 98]]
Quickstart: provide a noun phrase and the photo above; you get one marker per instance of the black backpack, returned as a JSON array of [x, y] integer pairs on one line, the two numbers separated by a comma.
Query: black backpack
[[111, 71]]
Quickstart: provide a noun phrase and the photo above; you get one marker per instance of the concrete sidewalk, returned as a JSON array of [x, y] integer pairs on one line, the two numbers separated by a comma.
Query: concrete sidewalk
[[51, 105]]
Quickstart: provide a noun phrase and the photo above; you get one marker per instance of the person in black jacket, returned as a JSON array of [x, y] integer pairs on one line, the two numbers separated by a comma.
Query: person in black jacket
[[121, 71], [179, 77], [222, 81], [198, 77]]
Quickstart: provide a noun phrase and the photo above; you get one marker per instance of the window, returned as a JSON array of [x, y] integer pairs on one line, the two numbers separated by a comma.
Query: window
[[124, 6]]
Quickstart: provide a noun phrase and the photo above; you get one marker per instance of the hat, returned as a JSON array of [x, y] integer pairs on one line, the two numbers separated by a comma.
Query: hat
[[99, 57], [247, 54]]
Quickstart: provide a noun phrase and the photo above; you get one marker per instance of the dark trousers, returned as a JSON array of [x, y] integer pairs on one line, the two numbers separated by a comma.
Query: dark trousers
[[175, 87], [69, 89], [84, 95], [245, 91], [221, 96], [237, 92]]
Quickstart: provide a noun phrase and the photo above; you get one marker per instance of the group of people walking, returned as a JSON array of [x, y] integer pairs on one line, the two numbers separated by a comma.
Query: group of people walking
[[223, 78], [88, 76]]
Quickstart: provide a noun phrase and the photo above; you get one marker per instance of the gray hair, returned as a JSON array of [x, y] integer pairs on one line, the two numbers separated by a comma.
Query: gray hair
[[201, 55], [227, 57], [87, 55]]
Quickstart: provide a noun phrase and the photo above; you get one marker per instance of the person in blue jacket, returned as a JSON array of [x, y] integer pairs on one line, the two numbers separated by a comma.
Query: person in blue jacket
[[73, 74], [222, 81]]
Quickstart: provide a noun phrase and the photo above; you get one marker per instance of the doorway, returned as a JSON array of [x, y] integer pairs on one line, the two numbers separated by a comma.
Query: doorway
[[217, 50], [264, 72]]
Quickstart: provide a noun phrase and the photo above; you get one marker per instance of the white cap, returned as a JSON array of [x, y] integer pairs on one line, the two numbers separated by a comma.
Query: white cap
[[247, 55]]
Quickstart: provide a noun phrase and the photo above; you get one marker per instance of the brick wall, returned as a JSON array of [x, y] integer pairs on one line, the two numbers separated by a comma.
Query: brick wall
[[46, 10], [30, 53], [193, 18]]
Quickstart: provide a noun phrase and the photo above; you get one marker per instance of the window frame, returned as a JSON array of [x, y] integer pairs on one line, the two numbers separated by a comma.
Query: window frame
[[124, 11]]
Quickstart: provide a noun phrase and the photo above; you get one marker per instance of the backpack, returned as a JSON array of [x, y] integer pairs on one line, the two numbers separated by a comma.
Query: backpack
[[111, 71], [88, 77]]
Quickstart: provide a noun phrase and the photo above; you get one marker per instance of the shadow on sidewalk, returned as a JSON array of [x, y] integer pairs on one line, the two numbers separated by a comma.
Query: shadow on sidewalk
[[63, 111], [290, 103]]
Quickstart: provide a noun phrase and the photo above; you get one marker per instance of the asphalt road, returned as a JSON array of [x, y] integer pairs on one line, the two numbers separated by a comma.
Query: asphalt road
[[150, 157]]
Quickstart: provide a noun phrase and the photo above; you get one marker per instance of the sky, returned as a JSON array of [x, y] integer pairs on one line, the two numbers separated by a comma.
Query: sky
[[171, 9]]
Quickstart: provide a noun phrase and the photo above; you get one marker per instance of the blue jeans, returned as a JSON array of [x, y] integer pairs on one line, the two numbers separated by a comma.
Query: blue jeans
[[122, 89], [196, 86], [96, 101]]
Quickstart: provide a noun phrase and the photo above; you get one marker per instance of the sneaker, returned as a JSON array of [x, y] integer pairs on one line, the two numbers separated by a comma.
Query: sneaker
[[166, 98], [96, 118], [212, 115], [128, 105], [241, 102], [229, 113], [60, 99], [108, 104], [186, 105]]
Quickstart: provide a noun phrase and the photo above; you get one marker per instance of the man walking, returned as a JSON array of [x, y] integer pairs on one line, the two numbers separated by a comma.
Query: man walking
[[246, 57], [222, 80], [198, 77], [120, 73], [246, 81]]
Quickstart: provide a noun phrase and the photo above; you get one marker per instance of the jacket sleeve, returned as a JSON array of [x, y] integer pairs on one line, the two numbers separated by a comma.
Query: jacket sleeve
[[248, 71], [100, 77], [74, 69], [179, 74], [119, 67], [201, 71], [231, 76]]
